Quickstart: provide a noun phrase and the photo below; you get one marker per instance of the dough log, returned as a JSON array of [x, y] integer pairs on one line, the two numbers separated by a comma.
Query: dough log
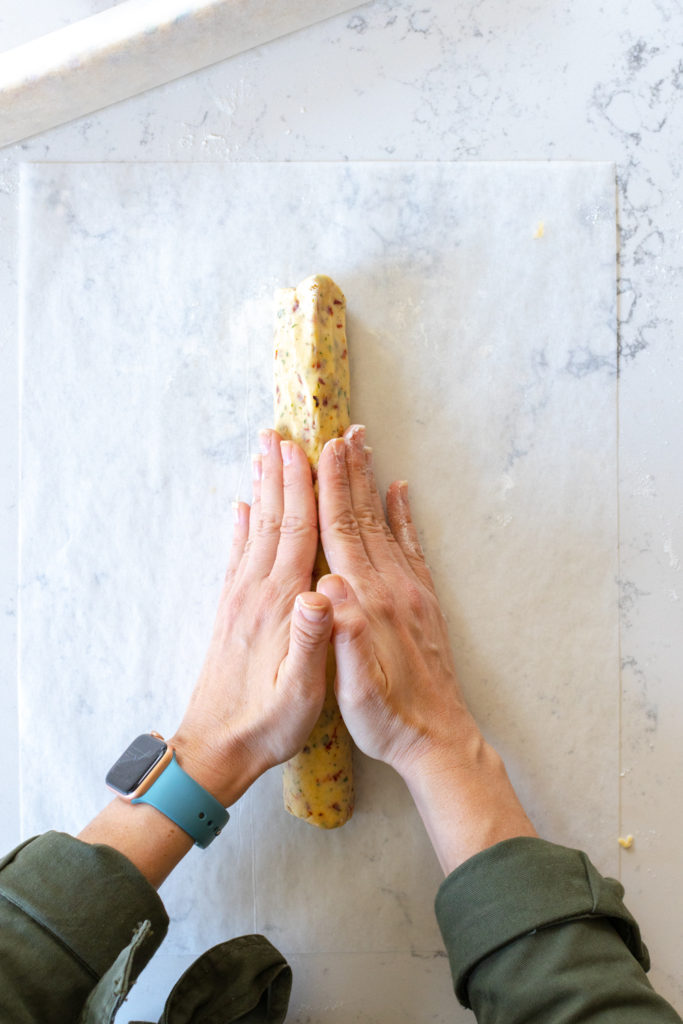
[[311, 407]]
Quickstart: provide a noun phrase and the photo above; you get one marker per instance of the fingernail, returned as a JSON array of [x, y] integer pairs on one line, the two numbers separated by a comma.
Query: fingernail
[[338, 450], [287, 449], [264, 439], [257, 466], [403, 489], [311, 612], [335, 588], [356, 435], [368, 454], [236, 511]]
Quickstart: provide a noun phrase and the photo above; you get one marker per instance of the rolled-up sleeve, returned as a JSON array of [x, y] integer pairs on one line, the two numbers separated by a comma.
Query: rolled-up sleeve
[[535, 933], [67, 911]]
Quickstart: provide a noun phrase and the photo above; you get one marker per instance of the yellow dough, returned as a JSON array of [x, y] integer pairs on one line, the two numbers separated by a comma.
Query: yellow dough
[[311, 407]]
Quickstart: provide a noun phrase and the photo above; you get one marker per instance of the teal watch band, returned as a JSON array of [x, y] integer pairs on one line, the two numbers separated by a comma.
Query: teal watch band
[[186, 803]]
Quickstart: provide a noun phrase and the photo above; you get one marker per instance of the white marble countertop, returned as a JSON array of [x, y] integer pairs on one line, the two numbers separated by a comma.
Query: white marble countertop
[[397, 80]]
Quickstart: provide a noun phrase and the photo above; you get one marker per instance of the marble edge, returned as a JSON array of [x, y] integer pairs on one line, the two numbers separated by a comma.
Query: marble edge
[[388, 162], [132, 47]]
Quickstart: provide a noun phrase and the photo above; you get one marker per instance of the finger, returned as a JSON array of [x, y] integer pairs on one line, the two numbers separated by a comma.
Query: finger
[[302, 674], [256, 475], [378, 509], [339, 530], [371, 527], [254, 512], [240, 532], [298, 540], [266, 512], [403, 529]]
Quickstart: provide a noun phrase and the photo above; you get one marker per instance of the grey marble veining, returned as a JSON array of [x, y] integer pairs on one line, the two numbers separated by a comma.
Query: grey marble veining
[[146, 311]]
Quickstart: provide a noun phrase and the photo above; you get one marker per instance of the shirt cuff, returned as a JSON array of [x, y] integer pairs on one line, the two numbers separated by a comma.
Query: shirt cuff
[[87, 898], [517, 887]]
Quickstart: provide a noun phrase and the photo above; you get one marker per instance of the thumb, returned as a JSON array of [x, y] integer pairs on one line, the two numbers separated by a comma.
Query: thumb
[[309, 637], [354, 649]]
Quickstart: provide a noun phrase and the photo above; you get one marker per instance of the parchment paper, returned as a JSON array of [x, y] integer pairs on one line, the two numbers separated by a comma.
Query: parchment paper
[[482, 337]]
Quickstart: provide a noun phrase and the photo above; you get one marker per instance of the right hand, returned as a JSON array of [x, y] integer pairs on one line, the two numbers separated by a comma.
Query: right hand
[[396, 682]]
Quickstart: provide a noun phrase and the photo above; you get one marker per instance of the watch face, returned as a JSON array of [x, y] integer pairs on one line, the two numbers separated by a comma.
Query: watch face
[[135, 763]]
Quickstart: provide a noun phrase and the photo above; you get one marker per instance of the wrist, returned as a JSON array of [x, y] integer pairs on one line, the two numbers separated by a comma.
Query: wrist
[[222, 770], [466, 800], [435, 758], [156, 828], [150, 840]]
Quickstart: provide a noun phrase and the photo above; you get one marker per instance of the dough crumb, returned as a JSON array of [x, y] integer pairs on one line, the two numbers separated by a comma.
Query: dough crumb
[[625, 843], [540, 230]]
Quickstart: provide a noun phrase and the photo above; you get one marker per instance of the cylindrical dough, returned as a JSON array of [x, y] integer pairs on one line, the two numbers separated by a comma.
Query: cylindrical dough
[[311, 407]]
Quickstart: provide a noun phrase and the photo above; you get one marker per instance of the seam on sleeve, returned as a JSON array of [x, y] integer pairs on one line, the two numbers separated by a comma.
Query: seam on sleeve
[[595, 896], [40, 921]]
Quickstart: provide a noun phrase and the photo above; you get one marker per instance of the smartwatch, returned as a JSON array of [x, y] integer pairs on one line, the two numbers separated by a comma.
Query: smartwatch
[[147, 772]]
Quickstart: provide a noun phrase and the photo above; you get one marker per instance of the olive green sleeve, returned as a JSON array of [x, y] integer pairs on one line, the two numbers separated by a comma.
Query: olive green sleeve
[[534, 929], [68, 912]]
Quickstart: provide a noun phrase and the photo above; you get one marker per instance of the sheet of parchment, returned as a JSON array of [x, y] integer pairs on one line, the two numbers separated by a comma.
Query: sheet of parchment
[[482, 336]]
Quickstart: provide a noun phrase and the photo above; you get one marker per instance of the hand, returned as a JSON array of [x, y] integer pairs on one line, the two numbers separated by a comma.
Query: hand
[[396, 681], [262, 686], [263, 682], [397, 687]]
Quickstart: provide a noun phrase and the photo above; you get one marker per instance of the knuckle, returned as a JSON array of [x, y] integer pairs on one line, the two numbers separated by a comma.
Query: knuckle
[[415, 550], [275, 598], [359, 695], [233, 600], [364, 691], [353, 628], [389, 535], [415, 599], [421, 570], [270, 611], [367, 521], [230, 575], [296, 526], [306, 637], [345, 525], [389, 610], [384, 604], [268, 522]]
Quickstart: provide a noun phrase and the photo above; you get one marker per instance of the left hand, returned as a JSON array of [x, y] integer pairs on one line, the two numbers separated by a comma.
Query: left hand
[[263, 682]]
